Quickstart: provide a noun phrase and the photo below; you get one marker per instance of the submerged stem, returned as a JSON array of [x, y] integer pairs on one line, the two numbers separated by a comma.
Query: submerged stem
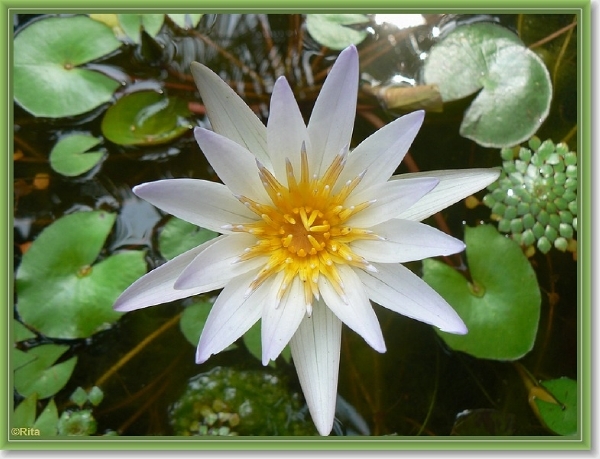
[[136, 350]]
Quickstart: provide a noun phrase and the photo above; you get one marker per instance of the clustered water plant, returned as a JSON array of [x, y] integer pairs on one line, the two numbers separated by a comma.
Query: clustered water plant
[[535, 198], [229, 402]]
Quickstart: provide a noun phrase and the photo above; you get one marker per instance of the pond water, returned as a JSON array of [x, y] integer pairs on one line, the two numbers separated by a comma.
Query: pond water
[[143, 362]]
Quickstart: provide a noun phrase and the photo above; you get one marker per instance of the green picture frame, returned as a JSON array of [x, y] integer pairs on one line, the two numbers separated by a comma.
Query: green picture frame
[[14, 437]]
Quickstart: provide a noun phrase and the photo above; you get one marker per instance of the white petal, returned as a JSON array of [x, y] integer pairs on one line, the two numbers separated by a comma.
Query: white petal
[[279, 323], [220, 263], [157, 286], [396, 287], [405, 240], [454, 185], [228, 113], [232, 315], [332, 119], [390, 199], [206, 204], [286, 130], [316, 353], [382, 152], [355, 309], [235, 166]]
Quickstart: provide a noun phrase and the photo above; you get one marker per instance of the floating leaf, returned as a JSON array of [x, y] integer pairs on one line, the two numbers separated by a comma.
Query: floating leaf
[[21, 332], [560, 418], [132, 24], [79, 397], [145, 118], [24, 416], [333, 31], [186, 21], [515, 85], [179, 236], [47, 420], [62, 293], [95, 395], [501, 308], [70, 155], [193, 320], [20, 358], [46, 77], [40, 375]]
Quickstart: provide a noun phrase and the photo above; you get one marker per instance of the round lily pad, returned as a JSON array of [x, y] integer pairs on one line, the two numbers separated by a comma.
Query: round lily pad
[[61, 292], [333, 31], [70, 155], [562, 417], [47, 54], [179, 236], [145, 118], [514, 84], [500, 307], [40, 375]]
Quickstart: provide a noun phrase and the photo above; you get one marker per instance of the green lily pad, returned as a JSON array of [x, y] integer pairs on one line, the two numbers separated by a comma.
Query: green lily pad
[[40, 375], [70, 155], [186, 20], [515, 85], [193, 319], [47, 420], [21, 332], [561, 418], [501, 308], [47, 54], [62, 293], [25, 412], [133, 23], [146, 118], [332, 30], [179, 236]]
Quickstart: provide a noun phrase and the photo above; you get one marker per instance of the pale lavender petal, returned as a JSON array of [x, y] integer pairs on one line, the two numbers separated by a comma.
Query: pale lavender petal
[[156, 287], [207, 204], [405, 240], [220, 262], [228, 113], [280, 322], [235, 166], [454, 185], [381, 153], [388, 200], [316, 353], [286, 130], [354, 309], [332, 119], [232, 315], [396, 287]]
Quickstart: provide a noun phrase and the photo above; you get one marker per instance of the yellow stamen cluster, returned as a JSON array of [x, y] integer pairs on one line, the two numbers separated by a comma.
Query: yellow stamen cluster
[[303, 232]]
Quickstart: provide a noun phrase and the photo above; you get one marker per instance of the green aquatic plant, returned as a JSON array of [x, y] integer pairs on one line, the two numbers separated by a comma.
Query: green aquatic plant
[[231, 402], [535, 198]]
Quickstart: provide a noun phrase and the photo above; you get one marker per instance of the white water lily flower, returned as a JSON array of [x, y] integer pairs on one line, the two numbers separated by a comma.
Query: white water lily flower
[[310, 231]]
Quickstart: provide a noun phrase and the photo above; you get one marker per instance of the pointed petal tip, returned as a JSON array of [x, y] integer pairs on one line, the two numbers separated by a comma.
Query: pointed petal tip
[[456, 327]]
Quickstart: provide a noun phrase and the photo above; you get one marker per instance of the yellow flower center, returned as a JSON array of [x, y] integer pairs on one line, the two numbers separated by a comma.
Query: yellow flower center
[[304, 231]]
